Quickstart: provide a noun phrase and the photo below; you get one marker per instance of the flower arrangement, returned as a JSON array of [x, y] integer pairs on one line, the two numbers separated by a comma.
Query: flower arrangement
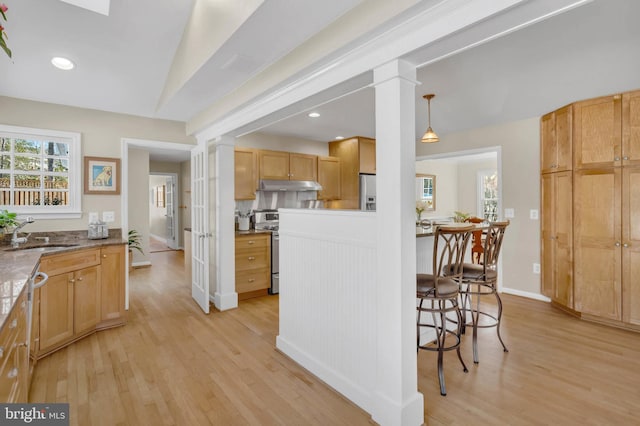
[[3, 34], [420, 207]]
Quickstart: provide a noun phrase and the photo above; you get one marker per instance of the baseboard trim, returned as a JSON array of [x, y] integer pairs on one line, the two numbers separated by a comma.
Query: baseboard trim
[[526, 294]]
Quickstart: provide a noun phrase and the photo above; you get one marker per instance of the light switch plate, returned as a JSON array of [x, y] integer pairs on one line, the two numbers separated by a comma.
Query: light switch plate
[[108, 217], [93, 217], [533, 214], [509, 213]]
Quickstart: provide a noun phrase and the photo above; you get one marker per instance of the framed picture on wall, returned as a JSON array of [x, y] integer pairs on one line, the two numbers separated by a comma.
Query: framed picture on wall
[[101, 175]]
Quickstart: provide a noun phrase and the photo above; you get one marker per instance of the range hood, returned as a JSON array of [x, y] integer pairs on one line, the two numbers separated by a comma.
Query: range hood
[[289, 185]]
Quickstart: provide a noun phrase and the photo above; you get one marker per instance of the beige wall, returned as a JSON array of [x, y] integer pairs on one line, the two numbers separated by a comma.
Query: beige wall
[[138, 202], [157, 218], [283, 143], [446, 186], [520, 143], [468, 184], [101, 137]]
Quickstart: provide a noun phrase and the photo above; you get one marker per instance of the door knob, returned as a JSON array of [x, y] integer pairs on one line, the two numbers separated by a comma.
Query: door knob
[[617, 244]]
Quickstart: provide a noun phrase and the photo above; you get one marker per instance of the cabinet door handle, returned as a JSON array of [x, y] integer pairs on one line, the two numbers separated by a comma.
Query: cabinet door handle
[[625, 158], [79, 278], [616, 158], [251, 258], [250, 242], [72, 280], [617, 244], [251, 280], [104, 256], [625, 245]]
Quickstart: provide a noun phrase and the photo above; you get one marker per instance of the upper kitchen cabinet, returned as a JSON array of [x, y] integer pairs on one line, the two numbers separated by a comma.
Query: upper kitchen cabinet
[[279, 165], [357, 155], [556, 138], [598, 132], [367, 155], [329, 178], [245, 162], [631, 128]]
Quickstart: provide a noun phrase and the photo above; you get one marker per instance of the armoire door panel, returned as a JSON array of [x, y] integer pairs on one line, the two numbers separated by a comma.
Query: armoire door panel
[[631, 128]]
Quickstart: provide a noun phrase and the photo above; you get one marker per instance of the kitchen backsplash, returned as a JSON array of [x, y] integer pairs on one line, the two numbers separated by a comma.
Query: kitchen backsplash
[[281, 199]]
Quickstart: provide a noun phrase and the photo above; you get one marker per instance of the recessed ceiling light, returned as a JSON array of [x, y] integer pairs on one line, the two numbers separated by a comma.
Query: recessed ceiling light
[[339, 138], [62, 63], [314, 115]]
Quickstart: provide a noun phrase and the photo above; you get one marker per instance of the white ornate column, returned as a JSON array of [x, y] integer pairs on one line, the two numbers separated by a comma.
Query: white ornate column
[[225, 296], [397, 400]]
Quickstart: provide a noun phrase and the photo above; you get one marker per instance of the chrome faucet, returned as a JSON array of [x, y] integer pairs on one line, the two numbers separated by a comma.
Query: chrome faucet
[[15, 240]]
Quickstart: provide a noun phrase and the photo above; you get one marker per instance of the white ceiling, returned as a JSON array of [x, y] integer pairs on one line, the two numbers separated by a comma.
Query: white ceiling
[[123, 61]]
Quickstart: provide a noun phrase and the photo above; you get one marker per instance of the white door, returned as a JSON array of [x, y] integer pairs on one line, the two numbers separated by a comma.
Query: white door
[[200, 227], [171, 213]]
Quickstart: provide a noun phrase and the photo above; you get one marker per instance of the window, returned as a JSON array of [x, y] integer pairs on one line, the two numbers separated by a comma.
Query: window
[[40, 172], [488, 195], [426, 190]]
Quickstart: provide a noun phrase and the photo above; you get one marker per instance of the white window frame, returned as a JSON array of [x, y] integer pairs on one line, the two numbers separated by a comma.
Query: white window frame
[[480, 192], [74, 209]]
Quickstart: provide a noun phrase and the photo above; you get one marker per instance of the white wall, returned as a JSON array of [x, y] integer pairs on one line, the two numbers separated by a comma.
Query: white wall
[[520, 150], [102, 134]]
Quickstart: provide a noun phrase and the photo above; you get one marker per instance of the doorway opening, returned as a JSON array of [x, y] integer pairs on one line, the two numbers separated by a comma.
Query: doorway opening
[[163, 223]]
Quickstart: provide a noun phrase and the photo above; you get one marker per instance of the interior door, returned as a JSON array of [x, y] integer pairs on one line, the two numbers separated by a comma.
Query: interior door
[[171, 213], [200, 227]]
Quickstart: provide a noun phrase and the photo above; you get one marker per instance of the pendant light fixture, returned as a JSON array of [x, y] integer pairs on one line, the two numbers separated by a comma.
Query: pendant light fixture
[[429, 136]]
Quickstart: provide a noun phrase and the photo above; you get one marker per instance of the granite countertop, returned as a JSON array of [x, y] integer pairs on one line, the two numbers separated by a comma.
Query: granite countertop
[[17, 266]]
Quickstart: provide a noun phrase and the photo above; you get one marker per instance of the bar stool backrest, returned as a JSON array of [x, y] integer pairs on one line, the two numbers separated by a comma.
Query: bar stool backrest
[[449, 247], [493, 244]]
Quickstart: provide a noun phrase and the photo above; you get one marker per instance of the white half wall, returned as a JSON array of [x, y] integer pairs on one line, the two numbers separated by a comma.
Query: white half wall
[[328, 299]]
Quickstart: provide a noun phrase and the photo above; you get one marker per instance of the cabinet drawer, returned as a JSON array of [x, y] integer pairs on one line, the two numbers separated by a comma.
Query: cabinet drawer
[[252, 259], [253, 241], [68, 262], [257, 279]]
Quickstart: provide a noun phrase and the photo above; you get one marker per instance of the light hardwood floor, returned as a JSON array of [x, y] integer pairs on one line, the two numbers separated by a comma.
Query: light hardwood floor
[[173, 365]]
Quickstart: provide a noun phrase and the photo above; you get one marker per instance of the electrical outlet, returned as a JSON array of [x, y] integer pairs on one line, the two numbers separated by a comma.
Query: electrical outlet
[[509, 213], [93, 217], [108, 217], [533, 214], [536, 268]]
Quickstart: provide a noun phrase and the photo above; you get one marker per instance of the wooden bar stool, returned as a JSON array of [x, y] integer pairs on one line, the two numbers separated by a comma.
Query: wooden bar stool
[[476, 242], [438, 294]]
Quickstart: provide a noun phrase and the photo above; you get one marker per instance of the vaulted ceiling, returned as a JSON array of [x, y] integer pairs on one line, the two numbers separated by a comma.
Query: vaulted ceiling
[[174, 59]]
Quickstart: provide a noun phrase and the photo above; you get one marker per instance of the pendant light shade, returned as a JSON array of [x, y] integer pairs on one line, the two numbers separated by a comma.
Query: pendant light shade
[[429, 136]]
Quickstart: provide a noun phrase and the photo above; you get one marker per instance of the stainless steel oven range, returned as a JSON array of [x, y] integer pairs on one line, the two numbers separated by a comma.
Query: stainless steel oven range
[[268, 220]]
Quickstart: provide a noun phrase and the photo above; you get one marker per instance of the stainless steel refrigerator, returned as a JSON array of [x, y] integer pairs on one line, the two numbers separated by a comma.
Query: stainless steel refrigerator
[[368, 192]]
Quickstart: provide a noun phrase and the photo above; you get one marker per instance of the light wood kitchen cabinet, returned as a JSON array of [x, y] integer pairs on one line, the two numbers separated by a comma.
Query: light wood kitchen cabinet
[[557, 237], [598, 248], [367, 155], [245, 166], [14, 359], [69, 307], [357, 155], [85, 293], [556, 140], [329, 178], [253, 265], [280, 165], [598, 132], [606, 211], [112, 286]]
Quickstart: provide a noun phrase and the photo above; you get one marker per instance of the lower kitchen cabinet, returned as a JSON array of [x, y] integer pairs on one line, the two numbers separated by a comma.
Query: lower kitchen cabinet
[[84, 293], [253, 265], [14, 359]]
